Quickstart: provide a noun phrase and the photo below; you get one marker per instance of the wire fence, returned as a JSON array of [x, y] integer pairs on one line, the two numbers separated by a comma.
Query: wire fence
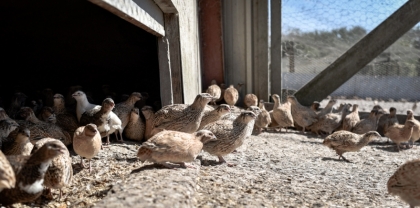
[[316, 32]]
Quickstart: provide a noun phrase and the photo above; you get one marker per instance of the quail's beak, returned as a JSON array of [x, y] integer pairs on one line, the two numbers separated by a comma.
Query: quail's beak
[[62, 150]]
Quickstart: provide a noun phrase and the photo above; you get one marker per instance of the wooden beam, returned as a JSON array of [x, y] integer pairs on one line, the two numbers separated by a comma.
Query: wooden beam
[[363, 52], [142, 13], [172, 35], [210, 18], [167, 6], [275, 52], [165, 76], [260, 49]]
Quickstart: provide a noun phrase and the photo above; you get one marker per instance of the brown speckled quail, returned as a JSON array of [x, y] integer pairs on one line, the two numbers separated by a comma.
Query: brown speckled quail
[[302, 115], [368, 124], [60, 172], [416, 128], [282, 113], [263, 119], [231, 95], [7, 175], [400, 133], [149, 116], [181, 117], [345, 141], [123, 111], [405, 183], [47, 114], [40, 129], [87, 143], [30, 173], [214, 115], [135, 127], [351, 119], [100, 117], [250, 100], [214, 90], [174, 146], [64, 118], [328, 108], [230, 135], [18, 143]]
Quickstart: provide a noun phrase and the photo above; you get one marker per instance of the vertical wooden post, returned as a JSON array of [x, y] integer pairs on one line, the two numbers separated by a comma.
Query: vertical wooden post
[[260, 49], [210, 18], [275, 52]]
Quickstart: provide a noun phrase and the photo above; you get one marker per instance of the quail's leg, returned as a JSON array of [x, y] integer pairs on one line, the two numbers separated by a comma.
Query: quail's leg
[[107, 140], [183, 165], [61, 195], [90, 166], [82, 162], [49, 194], [222, 160], [121, 137]]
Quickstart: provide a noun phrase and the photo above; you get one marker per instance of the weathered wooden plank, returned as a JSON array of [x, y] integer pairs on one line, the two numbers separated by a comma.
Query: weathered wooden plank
[[172, 34], [260, 49], [358, 56], [237, 42], [167, 6], [189, 48], [275, 52], [142, 13], [211, 41], [165, 72]]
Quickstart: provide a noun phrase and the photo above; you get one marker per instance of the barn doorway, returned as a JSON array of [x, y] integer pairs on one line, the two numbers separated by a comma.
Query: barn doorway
[[58, 44]]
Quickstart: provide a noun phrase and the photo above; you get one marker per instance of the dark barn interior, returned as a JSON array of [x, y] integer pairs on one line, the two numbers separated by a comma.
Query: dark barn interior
[[58, 44]]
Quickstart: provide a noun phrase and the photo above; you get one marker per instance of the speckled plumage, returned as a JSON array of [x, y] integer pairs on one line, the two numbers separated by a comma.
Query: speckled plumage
[[351, 119], [123, 111], [346, 141], [302, 115], [30, 173], [405, 183], [263, 119], [3, 114], [368, 124], [7, 175], [87, 142], [231, 95], [415, 136], [60, 172], [181, 117], [400, 133], [149, 116], [214, 90], [64, 119], [328, 108], [174, 146], [230, 134], [135, 127], [18, 143], [47, 114], [250, 100], [100, 116], [282, 112], [214, 115], [7, 126], [390, 119], [40, 129]]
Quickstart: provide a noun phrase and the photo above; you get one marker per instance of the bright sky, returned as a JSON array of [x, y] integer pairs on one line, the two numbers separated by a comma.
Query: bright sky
[[311, 15]]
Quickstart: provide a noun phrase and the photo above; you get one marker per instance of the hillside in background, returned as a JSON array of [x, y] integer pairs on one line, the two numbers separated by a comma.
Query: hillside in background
[[314, 51]]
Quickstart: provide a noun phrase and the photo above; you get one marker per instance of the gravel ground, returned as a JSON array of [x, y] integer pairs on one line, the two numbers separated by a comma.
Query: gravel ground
[[274, 169]]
